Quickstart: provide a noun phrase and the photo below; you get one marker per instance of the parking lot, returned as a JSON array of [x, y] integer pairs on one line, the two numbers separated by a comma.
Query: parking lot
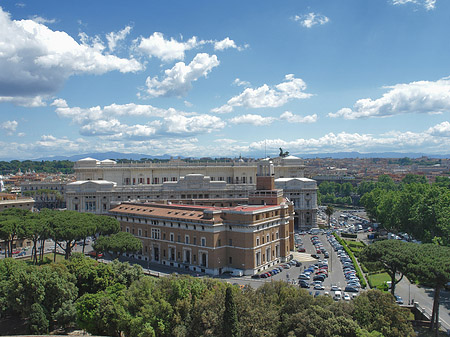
[[335, 269]]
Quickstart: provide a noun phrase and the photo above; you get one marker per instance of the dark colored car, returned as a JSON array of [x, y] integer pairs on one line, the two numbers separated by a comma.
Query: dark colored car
[[350, 289], [319, 278], [256, 276], [398, 299], [315, 256]]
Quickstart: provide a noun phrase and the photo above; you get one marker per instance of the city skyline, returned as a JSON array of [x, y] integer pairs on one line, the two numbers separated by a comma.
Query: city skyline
[[206, 79]]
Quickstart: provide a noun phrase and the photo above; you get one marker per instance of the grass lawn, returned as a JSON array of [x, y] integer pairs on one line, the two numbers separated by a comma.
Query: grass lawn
[[376, 280], [47, 257]]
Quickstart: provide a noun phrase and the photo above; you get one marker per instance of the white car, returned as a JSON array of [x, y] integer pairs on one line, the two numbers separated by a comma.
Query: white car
[[335, 288], [346, 297]]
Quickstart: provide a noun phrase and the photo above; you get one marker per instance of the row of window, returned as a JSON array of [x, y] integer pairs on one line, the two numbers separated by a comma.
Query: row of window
[[274, 237], [268, 256], [156, 234], [157, 180]]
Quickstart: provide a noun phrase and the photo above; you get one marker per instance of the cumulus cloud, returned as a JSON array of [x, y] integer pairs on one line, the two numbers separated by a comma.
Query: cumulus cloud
[[41, 20], [427, 4], [9, 127], [311, 19], [225, 44], [291, 118], [113, 38], [267, 97], [241, 83], [178, 80], [36, 60], [178, 124], [415, 97], [167, 50], [105, 121], [256, 120], [440, 130]]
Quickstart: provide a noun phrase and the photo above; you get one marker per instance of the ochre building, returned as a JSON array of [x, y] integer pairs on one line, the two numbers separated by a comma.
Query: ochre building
[[214, 239]]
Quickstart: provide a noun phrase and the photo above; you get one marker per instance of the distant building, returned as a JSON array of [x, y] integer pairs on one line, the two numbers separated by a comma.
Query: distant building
[[102, 184], [46, 194], [134, 174], [303, 193], [213, 239]]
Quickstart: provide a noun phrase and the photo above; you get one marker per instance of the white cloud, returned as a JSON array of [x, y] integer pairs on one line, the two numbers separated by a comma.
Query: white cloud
[[427, 4], [167, 50], [188, 104], [415, 97], [197, 124], [9, 126], [225, 141], [311, 19], [113, 38], [241, 83], [104, 122], [29, 102], [440, 130], [41, 20], [256, 120], [178, 80], [267, 97], [36, 60], [291, 118], [225, 44]]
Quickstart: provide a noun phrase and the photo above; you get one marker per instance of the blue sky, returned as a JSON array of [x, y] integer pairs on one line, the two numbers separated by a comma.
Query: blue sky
[[209, 78]]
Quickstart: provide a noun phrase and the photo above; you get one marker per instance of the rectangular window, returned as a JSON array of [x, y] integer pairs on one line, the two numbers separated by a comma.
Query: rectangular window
[[186, 239], [218, 243], [179, 238], [230, 242], [230, 260], [156, 233], [195, 240], [203, 242], [139, 232], [171, 237]]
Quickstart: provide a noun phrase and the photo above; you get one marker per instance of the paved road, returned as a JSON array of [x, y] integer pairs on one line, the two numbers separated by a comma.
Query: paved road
[[424, 296]]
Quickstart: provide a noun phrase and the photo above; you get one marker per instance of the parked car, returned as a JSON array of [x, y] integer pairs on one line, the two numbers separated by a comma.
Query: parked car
[[351, 289], [93, 253], [398, 299]]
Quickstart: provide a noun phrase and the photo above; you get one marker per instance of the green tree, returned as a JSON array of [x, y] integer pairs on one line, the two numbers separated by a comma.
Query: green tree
[[119, 243], [414, 178], [38, 322], [375, 310], [395, 255], [12, 227], [431, 265], [329, 212], [230, 320]]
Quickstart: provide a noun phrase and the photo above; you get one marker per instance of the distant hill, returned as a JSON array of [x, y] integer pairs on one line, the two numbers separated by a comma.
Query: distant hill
[[335, 155], [340, 155]]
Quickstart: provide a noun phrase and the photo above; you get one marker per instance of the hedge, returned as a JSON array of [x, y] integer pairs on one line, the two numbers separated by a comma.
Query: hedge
[[355, 263]]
